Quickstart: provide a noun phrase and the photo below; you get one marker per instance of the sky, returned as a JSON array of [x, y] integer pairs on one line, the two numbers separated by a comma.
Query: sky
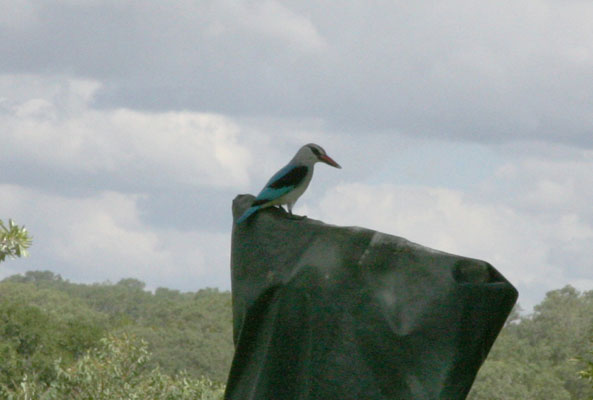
[[127, 128]]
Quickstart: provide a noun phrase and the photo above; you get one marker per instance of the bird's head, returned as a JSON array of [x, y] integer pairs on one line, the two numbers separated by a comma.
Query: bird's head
[[312, 153]]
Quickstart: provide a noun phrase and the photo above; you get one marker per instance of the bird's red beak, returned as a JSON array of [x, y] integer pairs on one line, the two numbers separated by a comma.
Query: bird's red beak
[[328, 160]]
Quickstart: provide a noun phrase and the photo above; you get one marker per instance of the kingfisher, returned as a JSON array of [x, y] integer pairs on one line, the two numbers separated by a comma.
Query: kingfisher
[[288, 184]]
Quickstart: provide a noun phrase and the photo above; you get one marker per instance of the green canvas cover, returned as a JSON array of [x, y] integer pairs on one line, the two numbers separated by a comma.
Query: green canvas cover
[[345, 313]]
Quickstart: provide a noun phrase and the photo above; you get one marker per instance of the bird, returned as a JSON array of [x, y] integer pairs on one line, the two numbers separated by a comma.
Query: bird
[[290, 182]]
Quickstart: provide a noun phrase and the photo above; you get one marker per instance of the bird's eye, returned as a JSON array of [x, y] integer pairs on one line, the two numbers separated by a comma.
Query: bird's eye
[[315, 151]]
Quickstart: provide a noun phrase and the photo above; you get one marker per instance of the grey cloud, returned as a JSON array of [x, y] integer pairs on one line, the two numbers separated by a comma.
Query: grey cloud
[[103, 236], [488, 72]]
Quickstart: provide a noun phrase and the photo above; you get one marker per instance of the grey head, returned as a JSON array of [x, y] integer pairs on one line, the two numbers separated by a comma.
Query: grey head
[[312, 153]]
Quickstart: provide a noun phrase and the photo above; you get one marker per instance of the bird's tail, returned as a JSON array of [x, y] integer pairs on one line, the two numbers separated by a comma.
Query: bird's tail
[[247, 214]]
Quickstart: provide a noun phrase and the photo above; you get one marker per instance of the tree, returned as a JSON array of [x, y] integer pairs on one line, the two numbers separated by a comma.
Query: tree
[[189, 331], [40, 325], [587, 373], [533, 357], [14, 240], [116, 369]]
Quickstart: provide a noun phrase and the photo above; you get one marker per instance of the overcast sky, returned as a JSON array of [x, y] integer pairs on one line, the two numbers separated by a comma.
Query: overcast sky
[[127, 128]]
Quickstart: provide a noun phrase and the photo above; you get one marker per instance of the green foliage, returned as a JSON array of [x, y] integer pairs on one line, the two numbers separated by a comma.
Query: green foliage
[[189, 332], [586, 374], [38, 326], [117, 369], [533, 357], [500, 380], [201, 321], [14, 240]]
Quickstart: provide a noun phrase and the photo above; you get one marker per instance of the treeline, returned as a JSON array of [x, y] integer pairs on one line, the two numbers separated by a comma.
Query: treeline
[[541, 355], [49, 325], [60, 340]]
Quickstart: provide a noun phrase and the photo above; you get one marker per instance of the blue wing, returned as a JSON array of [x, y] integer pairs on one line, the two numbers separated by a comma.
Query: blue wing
[[282, 183]]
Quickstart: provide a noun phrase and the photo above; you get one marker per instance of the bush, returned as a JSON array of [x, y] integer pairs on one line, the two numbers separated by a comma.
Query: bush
[[116, 369]]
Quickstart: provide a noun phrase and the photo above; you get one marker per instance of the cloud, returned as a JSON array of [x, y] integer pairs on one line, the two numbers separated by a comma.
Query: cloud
[[269, 19], [494, 72], [552, 181], [56, 129], [16, 15], [103, 237]]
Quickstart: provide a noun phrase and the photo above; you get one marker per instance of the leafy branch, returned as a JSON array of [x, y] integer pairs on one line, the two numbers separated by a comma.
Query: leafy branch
[[587, 372], [14, 240]]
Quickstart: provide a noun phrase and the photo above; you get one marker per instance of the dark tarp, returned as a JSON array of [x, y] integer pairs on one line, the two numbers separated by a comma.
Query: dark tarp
[[326, 312]]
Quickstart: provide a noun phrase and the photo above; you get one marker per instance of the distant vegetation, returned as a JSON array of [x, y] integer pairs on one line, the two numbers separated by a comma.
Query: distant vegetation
[[60, 340], [49, 325], [537, 356]]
